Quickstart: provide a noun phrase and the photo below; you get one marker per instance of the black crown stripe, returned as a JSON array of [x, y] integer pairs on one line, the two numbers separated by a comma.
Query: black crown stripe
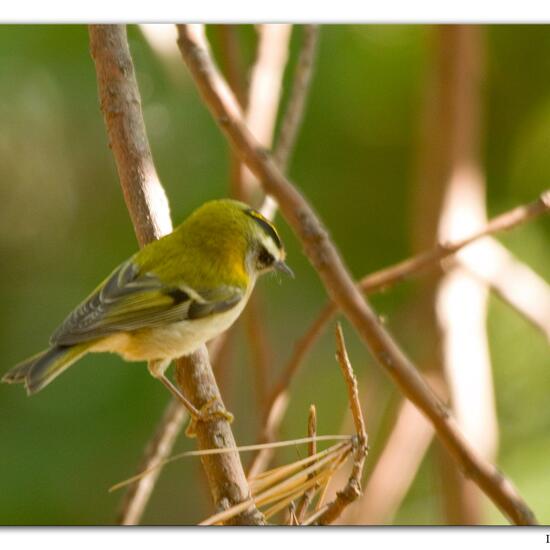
[[266, 226]]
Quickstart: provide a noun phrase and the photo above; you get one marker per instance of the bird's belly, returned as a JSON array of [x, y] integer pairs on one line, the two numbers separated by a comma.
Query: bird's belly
[[170, 341]]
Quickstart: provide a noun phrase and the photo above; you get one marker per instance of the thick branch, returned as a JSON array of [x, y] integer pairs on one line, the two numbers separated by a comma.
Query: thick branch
[[338, 282], [224, 471], [121, 105], [148, 207]]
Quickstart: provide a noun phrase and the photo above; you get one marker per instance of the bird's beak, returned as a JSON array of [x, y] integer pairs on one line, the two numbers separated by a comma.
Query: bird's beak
[[283, 268]]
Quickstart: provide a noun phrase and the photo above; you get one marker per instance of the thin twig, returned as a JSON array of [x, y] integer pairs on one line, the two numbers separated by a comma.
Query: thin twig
[[243, 448], [376, 282], [352, 490], [327, 262], [294, 113], [148, 208], [305, 501]]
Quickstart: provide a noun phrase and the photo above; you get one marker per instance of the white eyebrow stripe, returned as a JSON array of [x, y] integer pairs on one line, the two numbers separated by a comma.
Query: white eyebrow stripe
[[271, 247]]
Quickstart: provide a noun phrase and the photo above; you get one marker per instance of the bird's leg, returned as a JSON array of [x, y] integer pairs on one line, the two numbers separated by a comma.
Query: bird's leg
[[157, 368], [209, 410]]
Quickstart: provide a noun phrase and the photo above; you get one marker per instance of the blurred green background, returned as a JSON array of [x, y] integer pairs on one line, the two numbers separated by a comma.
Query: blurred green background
[[64, 226]]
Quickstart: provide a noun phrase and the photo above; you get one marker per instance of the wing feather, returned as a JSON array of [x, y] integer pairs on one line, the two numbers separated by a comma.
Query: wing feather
[[129, 300]]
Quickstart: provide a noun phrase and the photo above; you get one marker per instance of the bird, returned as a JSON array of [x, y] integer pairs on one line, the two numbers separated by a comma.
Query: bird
[[173, 295]]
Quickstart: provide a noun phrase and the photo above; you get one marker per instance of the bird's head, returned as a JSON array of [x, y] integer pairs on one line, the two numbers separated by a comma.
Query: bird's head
[[234, 233]]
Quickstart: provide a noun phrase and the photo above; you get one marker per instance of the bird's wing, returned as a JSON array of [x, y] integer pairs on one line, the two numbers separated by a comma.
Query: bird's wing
[[129, 300]]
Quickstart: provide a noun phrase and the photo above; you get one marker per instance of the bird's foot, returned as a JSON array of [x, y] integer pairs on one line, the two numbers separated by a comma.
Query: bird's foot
[[211, 410]]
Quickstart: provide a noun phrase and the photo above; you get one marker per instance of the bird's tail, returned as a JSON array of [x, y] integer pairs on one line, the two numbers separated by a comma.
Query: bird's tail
[[38, 371]]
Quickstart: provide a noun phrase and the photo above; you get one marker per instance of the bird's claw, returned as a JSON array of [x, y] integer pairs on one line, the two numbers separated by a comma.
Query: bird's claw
[[211, 410]]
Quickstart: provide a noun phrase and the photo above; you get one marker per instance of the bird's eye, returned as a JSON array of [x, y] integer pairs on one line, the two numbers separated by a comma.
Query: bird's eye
[[265, 259]]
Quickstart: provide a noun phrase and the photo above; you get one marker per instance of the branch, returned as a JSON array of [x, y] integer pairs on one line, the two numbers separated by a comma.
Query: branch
[[225, 473], [231, 60], [338, 282], [148, 208], [121, 106], [457, 303]]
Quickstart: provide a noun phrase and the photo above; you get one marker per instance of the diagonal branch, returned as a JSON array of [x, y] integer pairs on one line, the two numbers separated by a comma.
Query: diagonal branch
[[148, 208], [340, 286]]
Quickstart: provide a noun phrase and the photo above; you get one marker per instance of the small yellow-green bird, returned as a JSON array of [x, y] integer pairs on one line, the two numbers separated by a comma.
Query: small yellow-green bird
[[173, 295]]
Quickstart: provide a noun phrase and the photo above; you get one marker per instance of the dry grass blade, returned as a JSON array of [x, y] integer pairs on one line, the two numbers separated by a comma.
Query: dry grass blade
[[226, 450], [266, 479], [302, 476]]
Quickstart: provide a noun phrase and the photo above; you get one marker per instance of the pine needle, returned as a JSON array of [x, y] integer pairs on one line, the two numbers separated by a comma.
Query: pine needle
[[293, 486], [244, 448]]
